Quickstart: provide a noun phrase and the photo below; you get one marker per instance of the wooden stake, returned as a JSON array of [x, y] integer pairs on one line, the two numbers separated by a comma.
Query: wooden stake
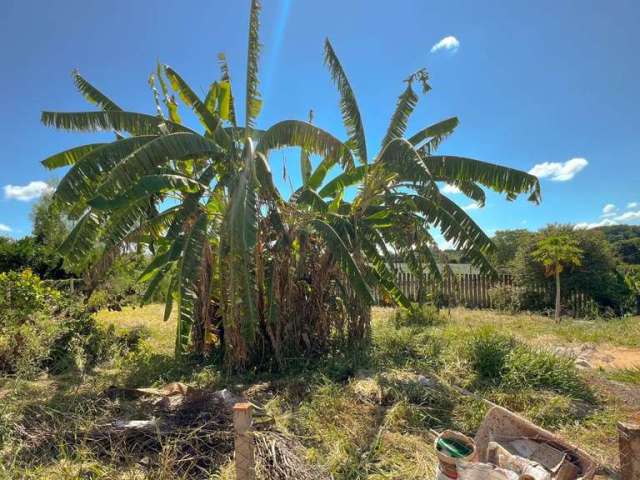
[[245, 462], [629, 444]]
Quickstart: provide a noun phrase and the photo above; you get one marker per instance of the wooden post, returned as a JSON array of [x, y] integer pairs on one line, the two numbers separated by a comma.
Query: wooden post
[[629, 445], [245, 462]]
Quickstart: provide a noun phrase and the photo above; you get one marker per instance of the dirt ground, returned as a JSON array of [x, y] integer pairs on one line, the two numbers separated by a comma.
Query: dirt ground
[[609, 357]]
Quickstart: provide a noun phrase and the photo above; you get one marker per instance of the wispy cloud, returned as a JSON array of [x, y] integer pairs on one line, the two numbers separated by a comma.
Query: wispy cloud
[[628, 216], [451, 189], [612, 219], [609, 210], [602, 223], [5, 228], [28, 192], [447, 43], [558, 171], [633, 205], [472, 206]]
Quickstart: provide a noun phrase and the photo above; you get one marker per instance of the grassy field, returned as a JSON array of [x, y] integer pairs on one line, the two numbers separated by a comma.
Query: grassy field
[[358, 415]]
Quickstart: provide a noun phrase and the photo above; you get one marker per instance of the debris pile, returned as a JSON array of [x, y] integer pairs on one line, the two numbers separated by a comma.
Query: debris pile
[[508, 447]]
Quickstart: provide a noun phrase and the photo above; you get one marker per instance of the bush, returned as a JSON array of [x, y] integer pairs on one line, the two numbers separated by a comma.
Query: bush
[[418, 315], [487, 353], [505, 298], [41, 328], [26, 329], [544, 370]]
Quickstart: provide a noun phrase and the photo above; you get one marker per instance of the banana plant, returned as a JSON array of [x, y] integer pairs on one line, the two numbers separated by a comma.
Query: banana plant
[[195, 200], [398, 201]]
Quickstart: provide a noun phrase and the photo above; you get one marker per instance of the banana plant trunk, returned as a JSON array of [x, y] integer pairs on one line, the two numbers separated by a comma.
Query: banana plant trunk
[[201, 328]]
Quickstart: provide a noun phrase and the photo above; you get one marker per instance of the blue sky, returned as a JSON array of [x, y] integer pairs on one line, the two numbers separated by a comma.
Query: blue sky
[[546, 83]]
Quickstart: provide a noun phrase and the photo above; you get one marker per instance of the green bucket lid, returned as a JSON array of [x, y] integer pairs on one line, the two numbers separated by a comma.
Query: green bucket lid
[[453, 448]]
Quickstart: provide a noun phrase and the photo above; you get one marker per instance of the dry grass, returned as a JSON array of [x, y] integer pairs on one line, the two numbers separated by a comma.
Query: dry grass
[[357, 419], [149, 318]]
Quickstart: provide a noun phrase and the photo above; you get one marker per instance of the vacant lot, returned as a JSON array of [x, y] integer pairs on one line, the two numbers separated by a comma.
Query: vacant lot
[[356, 414]]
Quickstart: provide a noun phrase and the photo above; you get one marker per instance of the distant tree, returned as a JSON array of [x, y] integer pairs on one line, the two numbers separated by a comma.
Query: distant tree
[[557, 253], [599, 276], [39, 251], [507, 243], [617, 233], [50, 225], [628, 250]]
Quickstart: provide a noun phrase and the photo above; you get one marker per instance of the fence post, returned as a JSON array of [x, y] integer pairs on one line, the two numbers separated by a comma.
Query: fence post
[[245, 462], [629, 445]]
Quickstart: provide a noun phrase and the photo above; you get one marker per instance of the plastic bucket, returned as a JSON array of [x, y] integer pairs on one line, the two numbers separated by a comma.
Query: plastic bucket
[[447, 462]]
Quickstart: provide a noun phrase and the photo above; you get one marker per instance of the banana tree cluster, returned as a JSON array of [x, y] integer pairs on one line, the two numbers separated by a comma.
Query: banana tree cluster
[[256, 275]]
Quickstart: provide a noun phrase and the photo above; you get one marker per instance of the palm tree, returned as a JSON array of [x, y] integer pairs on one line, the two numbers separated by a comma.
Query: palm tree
[[557, 252], [258, 275]]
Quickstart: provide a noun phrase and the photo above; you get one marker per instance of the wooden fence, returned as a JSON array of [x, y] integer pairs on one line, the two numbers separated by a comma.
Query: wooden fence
[[472, 290]]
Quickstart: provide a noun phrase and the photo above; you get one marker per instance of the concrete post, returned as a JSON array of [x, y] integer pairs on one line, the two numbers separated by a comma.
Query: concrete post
[[245, 462]]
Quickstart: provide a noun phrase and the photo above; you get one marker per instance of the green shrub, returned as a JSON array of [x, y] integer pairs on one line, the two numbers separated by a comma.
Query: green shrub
[[41, 328], [544, 408], [27, 329], [540, 369], [505, 298], [424, 315], [98, 300], [487, 352]]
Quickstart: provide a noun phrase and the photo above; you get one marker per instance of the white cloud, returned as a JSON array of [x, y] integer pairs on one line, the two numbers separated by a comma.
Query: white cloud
[[628, 216], [451, 189], [5, 228], [558, 171], [609, 208], [447, 43], [472, 206], [633, 205], [24, 193], [601, 223], [617, 218]]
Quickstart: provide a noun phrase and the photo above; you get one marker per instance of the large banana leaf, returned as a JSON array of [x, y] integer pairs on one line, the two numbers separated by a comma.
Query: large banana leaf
[[384, 276], [398, 124], [146, 159], [343, 255], [495, 177], [456, 227], [401, 158], [146, 186], [93, 95], [470, 189], [82, 179], [188, 96], [253, 102], [225, 76], [81, 240], [344, 180], [314, 140], [130, 122], [71, 156], [242, 228], [348, 104], [435, 133]]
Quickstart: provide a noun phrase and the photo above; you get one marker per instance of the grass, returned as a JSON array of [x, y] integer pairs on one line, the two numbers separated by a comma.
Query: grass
[[625, 375], [359, 415]]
